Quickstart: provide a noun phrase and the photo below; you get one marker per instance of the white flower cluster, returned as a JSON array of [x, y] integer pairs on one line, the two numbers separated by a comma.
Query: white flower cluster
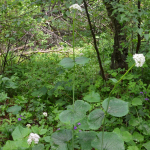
[[28, 125], [45, 114], [33, 137], [139, 59], [76, 7]]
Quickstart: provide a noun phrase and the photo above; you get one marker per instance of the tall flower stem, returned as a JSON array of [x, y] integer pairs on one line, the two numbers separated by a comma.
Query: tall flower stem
[[73, 87], [109, 101]]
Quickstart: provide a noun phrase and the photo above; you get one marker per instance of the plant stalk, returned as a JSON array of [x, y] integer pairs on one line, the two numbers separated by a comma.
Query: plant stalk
[[109, 101]]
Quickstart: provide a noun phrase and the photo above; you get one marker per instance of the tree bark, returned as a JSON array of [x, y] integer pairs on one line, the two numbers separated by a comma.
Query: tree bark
[[120, 52]]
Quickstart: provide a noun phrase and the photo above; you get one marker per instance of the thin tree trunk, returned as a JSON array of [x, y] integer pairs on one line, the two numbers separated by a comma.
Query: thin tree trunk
[[95, 43]]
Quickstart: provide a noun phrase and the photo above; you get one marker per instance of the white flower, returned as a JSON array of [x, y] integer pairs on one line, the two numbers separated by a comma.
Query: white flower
[[139, 59], [45, 114], [29, 141], [33, 137], [76, 7], [28, 125]]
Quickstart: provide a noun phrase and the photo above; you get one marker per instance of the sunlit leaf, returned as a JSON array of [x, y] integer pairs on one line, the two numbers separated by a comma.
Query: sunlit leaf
[[92, 97], [116, 107], [85, 139], [111, 141]]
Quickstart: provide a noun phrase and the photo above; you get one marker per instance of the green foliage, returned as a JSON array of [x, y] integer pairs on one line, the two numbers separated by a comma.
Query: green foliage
[[92, 97], [116, 107], [95, 119], [75, 113], [44, 82], [111, 141]]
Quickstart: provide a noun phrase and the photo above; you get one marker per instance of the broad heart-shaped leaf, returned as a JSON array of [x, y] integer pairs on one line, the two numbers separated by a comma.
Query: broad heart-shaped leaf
[[95, 119], [111, 141], [67, 63], [117, 107], [62, 136], [14, 109], [147, 145], [38, 147], [136, 101], [72, 116], [81, 60], [85, 139], [20, 132], [92, 97]]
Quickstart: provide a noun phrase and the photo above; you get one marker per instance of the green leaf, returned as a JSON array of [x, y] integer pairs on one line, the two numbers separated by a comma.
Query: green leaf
[[126, 136], [140, 31], [147, 145], [117, 107], [133, 148], [145, 127], [92, 97], [38, 147], [134, 121], [62, 136], [22, 143], [3, 96], [35, 129], [20, 133], [47, 139], [113, 80], [95, 119], [136, 101], [111, 141], [73, 116], [138, 137], [40, 92], [85, 139], [14, 109], [67, 63], [42, 131], [84, 124], [146, 36], [10, 145], [81, 60]]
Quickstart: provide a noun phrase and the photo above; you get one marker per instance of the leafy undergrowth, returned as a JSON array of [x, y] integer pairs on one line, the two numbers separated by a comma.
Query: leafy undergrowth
[[41, 85]]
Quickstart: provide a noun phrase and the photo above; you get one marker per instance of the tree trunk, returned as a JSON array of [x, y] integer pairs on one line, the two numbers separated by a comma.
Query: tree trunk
[[120, 52]]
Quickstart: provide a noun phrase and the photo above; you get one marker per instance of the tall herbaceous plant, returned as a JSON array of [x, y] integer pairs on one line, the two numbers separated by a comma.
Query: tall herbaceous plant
[[84, 125], [81, 120]]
